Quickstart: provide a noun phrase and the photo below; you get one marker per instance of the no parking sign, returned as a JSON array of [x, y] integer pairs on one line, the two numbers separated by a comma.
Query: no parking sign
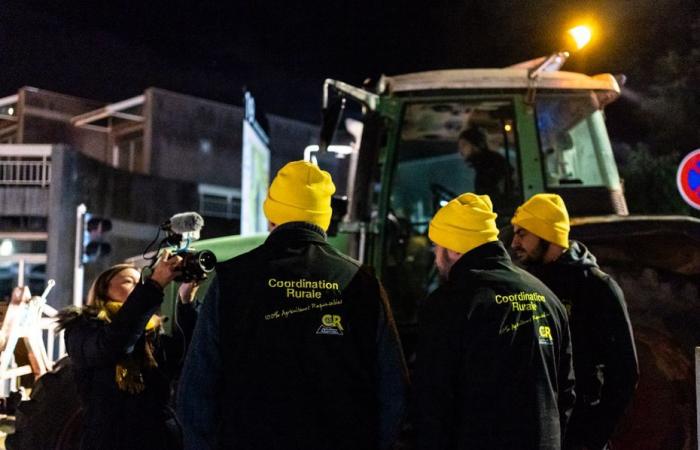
[[688, 178]]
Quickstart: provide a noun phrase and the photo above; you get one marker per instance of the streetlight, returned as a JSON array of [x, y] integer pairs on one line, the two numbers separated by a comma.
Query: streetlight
[[581, 35], [7, 247]]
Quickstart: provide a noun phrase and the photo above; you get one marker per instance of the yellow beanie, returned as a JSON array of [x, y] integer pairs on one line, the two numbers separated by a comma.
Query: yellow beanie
[[545, 216], [465, 223], [301, 192]]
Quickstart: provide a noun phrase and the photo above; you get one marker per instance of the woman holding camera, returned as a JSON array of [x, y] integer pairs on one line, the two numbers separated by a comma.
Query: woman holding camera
[[123, 366]]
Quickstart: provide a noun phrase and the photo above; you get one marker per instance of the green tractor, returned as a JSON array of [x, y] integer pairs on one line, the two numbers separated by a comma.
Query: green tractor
[[549, 126]]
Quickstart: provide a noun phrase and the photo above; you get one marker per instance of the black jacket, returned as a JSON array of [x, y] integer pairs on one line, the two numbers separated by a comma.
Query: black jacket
[[605, 357], [112, 418], [493, 367], [295, 348], [492, 176]]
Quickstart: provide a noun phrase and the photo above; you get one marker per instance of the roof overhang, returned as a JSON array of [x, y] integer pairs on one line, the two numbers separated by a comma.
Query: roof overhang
[[102, 119], [507, 78]]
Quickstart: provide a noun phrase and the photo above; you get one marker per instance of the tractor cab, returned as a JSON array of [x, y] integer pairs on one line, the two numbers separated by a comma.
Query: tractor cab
[[428, 137]]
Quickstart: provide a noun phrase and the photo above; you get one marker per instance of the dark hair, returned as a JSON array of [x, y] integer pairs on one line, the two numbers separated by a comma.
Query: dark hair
[[475, 135]]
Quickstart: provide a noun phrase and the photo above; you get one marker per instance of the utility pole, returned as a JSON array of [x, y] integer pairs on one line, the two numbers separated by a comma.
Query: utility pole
[[78, 270]]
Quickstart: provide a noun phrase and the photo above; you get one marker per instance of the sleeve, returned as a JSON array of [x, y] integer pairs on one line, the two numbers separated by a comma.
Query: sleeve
[[186, 319], [173, 348], [105, 345], [566, 397], [392, 375], [620, 367], [198, 394], [437, 357]]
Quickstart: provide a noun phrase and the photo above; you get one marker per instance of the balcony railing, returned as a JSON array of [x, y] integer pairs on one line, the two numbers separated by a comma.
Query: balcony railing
[[25, 165]]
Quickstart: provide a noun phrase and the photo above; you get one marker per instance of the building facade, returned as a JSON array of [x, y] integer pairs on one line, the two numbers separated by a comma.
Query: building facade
[[135, 162]]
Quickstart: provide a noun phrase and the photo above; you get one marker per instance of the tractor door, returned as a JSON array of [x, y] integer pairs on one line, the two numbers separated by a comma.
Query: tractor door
[[425, 170]]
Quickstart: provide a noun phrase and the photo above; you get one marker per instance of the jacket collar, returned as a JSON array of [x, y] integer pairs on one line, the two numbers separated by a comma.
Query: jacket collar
[[487, 256], [296, 231]]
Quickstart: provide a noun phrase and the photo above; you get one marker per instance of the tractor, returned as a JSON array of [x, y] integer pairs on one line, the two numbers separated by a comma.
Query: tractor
[[549, 126]]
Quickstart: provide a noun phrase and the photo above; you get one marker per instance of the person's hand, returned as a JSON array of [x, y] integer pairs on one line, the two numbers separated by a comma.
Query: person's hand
[[167, 268], [20, 294], [188, 291]]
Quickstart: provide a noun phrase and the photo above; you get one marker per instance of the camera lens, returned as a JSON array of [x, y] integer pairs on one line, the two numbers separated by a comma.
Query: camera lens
[[196, 265], [206, 260]]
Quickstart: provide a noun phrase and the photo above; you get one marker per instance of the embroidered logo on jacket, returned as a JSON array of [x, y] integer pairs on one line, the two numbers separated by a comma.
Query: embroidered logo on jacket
[[330, 324], [545, 335]]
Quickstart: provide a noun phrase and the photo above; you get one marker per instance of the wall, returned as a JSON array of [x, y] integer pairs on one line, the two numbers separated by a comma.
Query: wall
[[288, 139], [45, 119], [195, 139], [24, 201], [190, 136]]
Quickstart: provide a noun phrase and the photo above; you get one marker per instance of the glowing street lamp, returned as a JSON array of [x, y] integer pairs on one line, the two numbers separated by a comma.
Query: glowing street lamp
[[581, 35], [7, 247]]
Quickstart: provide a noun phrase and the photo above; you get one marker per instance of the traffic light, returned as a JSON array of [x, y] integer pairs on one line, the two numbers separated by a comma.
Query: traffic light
[[94, 242]]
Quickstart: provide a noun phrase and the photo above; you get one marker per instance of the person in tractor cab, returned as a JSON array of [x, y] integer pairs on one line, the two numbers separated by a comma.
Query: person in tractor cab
[[295, 347], [492, 171], [605, 357], [493, 365]]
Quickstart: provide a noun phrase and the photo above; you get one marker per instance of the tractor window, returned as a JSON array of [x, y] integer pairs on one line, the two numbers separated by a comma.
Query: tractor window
[[450, 148], [568, 140], [445, 149]]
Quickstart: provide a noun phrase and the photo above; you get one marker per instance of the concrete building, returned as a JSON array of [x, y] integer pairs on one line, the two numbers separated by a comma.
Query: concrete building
[[135, 162]]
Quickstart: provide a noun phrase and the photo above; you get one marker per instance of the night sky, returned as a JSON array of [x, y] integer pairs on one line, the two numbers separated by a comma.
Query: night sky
[[282, 51]]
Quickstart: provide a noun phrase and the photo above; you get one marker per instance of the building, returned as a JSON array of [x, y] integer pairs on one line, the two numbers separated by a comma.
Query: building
[[135, 162]]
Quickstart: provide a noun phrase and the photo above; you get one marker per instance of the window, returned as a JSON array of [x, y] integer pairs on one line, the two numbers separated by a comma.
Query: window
[[219, 201], [445, 149], [22, 262], [566, 126], [128, 151], [448, 149]]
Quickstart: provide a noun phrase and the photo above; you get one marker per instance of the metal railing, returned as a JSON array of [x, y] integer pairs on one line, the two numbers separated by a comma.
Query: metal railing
[[25, 165], [32, 320]]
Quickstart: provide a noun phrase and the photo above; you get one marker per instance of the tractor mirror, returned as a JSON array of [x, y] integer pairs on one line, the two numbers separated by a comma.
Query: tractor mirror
[[329, 122]]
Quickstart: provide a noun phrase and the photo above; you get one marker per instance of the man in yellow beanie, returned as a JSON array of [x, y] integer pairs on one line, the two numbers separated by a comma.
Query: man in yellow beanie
[[493, 365], [295, 346], [605, 357], [541, 227]]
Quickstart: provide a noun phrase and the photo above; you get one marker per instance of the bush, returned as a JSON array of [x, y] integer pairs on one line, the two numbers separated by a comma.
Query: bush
[[650, 183]]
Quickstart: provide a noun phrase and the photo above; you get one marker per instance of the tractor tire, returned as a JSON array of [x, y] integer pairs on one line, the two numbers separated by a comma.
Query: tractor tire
[[663, 308]]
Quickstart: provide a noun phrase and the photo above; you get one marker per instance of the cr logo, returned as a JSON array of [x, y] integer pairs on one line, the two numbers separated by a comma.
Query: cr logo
[[545, 332], [331, 320]]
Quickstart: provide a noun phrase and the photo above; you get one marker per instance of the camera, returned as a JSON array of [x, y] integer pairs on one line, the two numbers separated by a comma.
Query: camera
[[195, 265], [180, 230]]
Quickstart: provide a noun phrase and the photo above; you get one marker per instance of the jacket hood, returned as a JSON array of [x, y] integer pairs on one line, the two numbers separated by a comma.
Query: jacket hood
[[72, 315], [577, 255]]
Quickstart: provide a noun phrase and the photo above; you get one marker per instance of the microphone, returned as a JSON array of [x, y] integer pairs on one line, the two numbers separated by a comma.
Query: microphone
[[187, 223]]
